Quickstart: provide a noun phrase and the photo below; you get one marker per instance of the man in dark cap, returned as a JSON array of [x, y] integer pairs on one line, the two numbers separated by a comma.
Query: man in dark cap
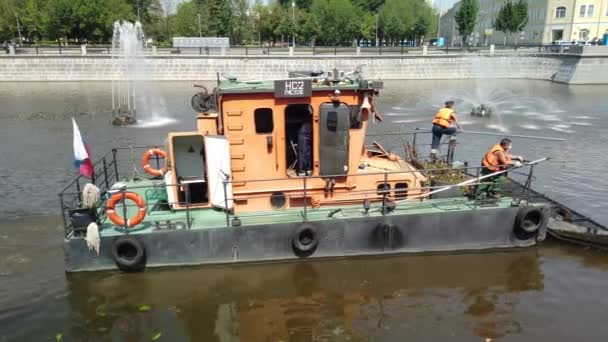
[[441, 125], [305, 146]]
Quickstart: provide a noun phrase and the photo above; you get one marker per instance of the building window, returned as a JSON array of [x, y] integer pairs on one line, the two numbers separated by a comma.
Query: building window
[[263, 120], [586, 11], [560, 12], [583, 34]]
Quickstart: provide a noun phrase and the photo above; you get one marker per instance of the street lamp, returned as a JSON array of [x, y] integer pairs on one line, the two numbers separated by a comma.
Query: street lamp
[[19, 29], [199, 25], [438, 22], [293, 14], [377, 29]]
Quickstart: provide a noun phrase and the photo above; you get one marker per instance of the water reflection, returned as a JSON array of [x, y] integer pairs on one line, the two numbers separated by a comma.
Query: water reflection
[[378, 299]]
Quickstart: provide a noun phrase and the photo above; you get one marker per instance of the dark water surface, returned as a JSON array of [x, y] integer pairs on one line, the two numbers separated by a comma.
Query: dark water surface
[[553, 292]]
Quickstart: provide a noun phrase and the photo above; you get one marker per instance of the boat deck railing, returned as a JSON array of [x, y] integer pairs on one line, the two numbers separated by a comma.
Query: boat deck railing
[[120, 164]]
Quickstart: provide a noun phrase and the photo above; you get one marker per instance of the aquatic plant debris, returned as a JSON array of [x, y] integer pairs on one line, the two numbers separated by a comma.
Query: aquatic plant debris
[[144, 308], [157, 336]]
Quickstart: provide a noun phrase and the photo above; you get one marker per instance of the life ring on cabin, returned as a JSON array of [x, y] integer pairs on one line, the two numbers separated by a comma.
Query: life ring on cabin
[[145, 161], [529, 221], [305, 240], [120, 221], [129, 254]]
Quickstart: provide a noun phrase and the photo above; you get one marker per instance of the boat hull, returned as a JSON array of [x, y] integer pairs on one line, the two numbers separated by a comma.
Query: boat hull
[[337, 237]]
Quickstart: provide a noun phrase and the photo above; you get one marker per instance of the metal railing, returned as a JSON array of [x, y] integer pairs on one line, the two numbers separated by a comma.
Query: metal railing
[[109, 170], [106, 50]]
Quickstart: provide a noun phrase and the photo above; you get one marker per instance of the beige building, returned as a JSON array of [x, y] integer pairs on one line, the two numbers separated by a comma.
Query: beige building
[[549, 20]]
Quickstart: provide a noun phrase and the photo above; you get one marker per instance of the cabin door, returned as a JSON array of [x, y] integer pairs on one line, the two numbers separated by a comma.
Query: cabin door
[[334, 124], [217, 149]]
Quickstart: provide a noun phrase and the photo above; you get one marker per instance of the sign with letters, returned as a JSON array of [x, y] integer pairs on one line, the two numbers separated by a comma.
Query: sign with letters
[[292, 88]]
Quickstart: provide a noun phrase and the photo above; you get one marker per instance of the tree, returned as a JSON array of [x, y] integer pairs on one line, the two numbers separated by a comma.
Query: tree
[[511, 18], [338, 19], [220, 17], [305, 4], [466, 18], [397, 20], [369, 5]]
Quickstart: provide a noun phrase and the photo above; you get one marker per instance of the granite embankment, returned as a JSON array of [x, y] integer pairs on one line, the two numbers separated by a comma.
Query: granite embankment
[[564, 68]]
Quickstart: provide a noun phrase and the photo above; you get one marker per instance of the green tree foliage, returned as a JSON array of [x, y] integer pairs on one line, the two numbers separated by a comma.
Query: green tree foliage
[[220, 17], [299, 3], [326, 22], [521, 13], [369, 5], [466, 17], [511, 18]]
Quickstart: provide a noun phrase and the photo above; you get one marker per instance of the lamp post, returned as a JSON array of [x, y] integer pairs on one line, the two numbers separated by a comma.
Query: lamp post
[[19, 29], [438, 21], [200, 34], [377, 29], [293, 15]]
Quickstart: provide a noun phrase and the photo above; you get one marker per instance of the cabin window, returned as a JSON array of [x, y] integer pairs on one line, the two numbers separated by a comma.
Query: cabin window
[[382, 189], [401, 190], [332, 121], [263, 120]]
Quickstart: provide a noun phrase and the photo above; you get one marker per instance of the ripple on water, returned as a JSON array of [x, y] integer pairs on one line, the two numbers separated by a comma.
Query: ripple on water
[[549, 117], [408, 120], [530, 126], [562, 128], [581, 123], [155, 122], [499, 128]]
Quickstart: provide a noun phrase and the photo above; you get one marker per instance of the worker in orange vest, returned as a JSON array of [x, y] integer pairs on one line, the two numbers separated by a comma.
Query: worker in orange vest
[[441, 125], [498, 158]]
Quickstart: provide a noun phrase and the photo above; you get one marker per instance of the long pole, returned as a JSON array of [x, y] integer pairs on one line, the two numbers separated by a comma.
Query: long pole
[[472, 180], [514, 135], [473, 132]]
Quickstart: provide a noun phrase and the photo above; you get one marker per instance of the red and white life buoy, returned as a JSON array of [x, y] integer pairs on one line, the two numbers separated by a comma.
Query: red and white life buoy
[[120, 221], [145, 161]]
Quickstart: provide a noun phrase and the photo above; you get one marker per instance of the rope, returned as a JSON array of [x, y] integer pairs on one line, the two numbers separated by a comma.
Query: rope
[[93, 240], [90, 196], [135, 175]]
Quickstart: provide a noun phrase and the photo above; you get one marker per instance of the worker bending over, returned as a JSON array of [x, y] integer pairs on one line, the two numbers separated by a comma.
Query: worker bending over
[[498, 158], [441, 125]]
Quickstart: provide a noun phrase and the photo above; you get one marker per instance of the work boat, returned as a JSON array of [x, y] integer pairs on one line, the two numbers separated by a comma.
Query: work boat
[[231, 191]]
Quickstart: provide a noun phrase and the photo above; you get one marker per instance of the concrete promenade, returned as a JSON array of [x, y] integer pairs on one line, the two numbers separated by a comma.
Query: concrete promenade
[[580, 66]]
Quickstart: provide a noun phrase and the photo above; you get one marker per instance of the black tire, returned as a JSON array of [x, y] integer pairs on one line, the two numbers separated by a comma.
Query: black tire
[[129, 254], [530, 219], [305, 239]]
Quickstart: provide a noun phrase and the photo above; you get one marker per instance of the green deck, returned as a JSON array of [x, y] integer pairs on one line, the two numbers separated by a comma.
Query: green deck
[[209, 218]]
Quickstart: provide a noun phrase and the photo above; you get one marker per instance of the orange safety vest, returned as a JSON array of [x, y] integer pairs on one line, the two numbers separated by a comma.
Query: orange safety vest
[[490, 161], [444, 117]]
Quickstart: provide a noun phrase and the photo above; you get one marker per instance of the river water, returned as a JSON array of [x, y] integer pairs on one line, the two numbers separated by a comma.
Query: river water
[[552, 292]]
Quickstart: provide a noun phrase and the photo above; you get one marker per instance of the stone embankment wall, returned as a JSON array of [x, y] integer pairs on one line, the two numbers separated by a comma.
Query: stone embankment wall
[[564, 68]]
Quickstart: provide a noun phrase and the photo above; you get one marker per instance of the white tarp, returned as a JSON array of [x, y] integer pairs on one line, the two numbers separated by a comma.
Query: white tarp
[[198, 42], [217, 149]]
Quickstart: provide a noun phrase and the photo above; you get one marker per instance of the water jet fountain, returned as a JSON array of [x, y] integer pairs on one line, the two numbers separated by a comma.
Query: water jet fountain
[[135, 99]]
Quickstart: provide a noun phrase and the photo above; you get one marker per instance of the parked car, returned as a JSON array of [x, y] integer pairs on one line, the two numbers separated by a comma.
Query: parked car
[[560, 45]]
